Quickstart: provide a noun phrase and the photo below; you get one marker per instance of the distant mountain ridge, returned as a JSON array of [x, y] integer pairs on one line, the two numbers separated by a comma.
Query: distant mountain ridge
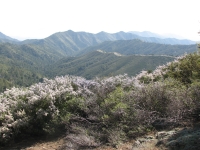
[[70, 43], [103, 36], [5, 38], [25, 62]]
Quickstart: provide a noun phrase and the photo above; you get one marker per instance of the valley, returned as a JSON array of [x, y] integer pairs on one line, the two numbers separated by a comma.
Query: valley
[[26, 62], [77, 90]]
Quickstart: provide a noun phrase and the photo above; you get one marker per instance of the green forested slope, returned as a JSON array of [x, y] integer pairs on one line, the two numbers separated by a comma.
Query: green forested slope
[[26, 62], [129, 47], [20, 65], [105, 64]]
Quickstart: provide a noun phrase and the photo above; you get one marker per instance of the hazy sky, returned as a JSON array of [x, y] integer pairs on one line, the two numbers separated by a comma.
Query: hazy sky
[[41, 18]]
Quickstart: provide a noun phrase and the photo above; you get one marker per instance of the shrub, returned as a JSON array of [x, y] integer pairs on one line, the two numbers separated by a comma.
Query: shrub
[[99, 108]]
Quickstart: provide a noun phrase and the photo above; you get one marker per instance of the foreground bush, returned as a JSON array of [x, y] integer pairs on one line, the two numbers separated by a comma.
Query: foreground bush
[[106, 110], [35, 107], [30, 108]]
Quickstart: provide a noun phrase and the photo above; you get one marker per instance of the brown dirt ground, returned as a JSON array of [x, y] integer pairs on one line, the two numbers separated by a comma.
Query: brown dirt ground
[[56, 142]]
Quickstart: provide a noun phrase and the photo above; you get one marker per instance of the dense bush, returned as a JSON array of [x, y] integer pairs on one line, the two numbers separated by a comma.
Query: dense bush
[[186, 70], [107, 110]]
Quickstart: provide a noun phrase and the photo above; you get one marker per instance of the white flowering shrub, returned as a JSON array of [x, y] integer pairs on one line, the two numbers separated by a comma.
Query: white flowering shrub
[[99, 108], [36, 106], [32, 107], [160, 71]]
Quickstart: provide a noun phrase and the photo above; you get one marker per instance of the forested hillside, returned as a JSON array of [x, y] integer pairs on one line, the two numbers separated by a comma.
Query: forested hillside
[[27, 62], [102, 64], [130, 47], [108, 111], [21, 65]]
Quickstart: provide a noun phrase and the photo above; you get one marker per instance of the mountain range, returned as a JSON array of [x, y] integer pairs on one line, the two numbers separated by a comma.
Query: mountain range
[[70, 42], [25, 62], [5, 38]]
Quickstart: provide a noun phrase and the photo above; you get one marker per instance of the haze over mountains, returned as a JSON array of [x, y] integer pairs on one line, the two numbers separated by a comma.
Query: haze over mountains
[[75, 53], [5, 38], [150, 34]]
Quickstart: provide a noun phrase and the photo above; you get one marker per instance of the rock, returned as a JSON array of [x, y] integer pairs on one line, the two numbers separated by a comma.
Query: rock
[[136, 144], [164, 134], [149, 137]]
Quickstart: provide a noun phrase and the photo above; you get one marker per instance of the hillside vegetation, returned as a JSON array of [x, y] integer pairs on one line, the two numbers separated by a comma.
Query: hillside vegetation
[[23, 63], [71, 43], [105, 110], [130, 47], [102, 64], [20, 65]]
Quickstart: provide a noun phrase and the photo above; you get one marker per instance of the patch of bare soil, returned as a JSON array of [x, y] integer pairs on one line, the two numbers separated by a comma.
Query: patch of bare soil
[[137, 144], [58, 143]]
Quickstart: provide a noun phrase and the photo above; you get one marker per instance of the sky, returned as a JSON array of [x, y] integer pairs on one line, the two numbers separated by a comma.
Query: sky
[[30, 19]]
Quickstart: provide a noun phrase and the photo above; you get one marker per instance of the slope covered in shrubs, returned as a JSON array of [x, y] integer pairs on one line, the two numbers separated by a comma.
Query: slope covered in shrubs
[[99, 111], [185, 69]]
